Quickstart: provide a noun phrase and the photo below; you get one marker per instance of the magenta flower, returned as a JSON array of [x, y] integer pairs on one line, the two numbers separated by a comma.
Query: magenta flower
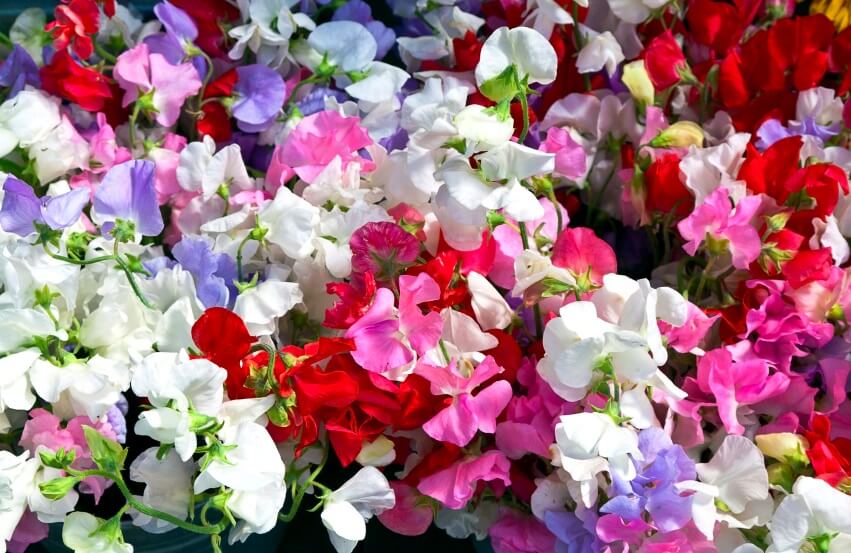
[[382, 248], [140, 73], [460, 420], [454, 486], [713, 218], [736, 383], [585, 255], [317, 140], [386, 339]]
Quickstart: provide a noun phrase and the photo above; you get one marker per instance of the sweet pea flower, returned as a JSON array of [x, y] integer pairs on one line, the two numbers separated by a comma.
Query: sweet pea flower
[[518, 533], [383, 249], [734, 231], [18, 70], [601, 50], [736, 383], [127, 193], [317, 140], [360, 12], [529, 52], [337, 47], [634, 11], [590, 443], [459, 421], [268, 27], [165, 86], [168, 484], [213, 272], [80, 534], [259, 95], [22, 209], [570, 161], [27, 119], [386, 339], [455, 486], [815, 512], [408, 517], [291, 223], [347, 508]]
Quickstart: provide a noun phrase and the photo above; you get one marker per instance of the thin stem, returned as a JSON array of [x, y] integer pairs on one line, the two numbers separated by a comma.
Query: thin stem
[[559, 217], [133, 284], [132, 124], [703, 277], [73, 261], [239, 256], [101, 51], [299, 496], [539, 323], [524, 105]]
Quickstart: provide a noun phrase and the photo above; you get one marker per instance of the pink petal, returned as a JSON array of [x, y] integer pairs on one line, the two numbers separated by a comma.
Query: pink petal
[[453, 424], [488, 404]]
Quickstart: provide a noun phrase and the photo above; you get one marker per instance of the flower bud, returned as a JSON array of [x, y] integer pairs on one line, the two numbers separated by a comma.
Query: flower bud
[[783, 446], [638, 82], [681, 134]]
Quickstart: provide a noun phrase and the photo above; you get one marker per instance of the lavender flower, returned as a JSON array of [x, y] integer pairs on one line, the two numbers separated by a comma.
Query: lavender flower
[[260, 92], [18, 70], [127, 193], [213, 272], [22, 209]]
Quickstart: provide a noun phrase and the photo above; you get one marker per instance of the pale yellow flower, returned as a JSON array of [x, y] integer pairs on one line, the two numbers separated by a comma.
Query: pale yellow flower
[[838, 11]]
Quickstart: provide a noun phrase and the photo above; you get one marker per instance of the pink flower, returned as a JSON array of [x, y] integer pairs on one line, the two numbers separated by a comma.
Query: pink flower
[[515, 532], [409, 516], [29, 530], [316, 141], [584, 254], [530, 419], [45, 429], [687, 337], [105, 151], [737, 382], [467, 414], [167, 159], [455, 486], [139, 72], [571, 161], [735, 231], [385, 341], [382, 248]]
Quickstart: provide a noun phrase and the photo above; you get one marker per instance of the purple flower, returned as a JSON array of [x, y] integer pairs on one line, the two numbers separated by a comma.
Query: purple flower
[[213, 272], [127, 192], [22, 208], [18, 70], [177, 22], [772, 130], [572, 534], [260, 93], [652, 490], [314, 101]]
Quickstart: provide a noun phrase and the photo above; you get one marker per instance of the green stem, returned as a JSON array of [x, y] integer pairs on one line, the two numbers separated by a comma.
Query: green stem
[[524, 105], [101, 51], [557, 206], [539, 322], [71, 260], [292, 99], [299, 496], [132, 124], [239, 256], [703, 278]]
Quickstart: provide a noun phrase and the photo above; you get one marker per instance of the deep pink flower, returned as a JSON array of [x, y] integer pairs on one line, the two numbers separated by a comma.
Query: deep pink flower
[[737, 383], [139, 72], [515, 532], [460, 420], [584, 254], [382, 248], [409, 516], [386, 339], [714, 217], [687, 337], [316, 141], [455, 486], [571, 161]]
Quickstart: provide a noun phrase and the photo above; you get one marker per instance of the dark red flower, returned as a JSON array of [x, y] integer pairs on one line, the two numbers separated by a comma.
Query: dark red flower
[[223, 338], [666, 192], [83, 86], [718, 25], [76, 21], [467, 51], [211, 17], [214, 122], [664, 60]]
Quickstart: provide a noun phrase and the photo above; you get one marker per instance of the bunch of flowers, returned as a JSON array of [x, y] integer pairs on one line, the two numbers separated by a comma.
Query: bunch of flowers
[[572, 276]]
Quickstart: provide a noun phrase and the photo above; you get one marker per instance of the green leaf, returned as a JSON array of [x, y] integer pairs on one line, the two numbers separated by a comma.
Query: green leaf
[[107, 454], [555, 287]]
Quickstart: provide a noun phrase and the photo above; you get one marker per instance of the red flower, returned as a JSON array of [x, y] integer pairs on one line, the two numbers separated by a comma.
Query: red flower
[[84, 86], [664, 60], [808, 266], [840, 59], [215, 121], [74, 26], [767, 172], [666, 192], [223, 338], [718, 25], [831, 459], [467, 51], [211, 17], [355, 299]]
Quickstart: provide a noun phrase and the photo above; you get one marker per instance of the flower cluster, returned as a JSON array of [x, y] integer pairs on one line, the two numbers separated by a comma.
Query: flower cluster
[[569, 276]]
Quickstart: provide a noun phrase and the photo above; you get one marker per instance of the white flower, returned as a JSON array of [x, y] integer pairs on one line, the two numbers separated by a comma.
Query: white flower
[[61, 151], [482, 128], [489, 306], [27, 118], [175, 384], [79, 533], [25, 268], [382, 83], [814, 510], [736, 477], [526, 49], [261, 306], [578, 341], [601, 50], [268, 32], [347, 509], [531, 267], [291, 222], [168, 487], [635, 11], [254, 471], [344, 45], [544, 15], [819, 104], [202, 168], [17, 475], [18, 326], [15, 392], [88, 388], [590, 443]]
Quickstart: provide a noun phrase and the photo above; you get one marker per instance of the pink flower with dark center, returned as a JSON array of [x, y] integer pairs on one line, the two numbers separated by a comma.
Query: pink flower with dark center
[[383, 249]]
